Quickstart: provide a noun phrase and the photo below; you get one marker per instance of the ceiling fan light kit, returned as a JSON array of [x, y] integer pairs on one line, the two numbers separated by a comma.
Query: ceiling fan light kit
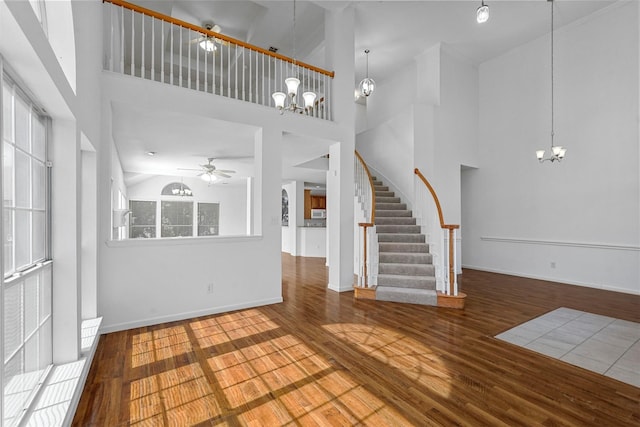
[[207, 43]]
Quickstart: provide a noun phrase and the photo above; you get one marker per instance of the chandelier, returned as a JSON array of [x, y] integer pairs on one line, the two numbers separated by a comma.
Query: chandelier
[[367, 85], [557, 151], [182, 190], [292, 83]]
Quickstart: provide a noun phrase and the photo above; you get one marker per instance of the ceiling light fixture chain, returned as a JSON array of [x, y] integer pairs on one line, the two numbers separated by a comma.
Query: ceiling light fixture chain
[[557, 151]]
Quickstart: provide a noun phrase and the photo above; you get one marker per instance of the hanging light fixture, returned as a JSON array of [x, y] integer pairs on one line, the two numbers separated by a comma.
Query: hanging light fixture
[[367, 85], [292, 83], [482, 14], [182, 190], [557, 151]]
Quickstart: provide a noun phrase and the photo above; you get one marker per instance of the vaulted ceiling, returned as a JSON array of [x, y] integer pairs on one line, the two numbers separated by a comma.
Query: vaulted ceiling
[[394, 31]]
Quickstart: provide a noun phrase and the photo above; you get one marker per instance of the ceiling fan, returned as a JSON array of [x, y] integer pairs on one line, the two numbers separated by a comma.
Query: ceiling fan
[[209, 173], [207, 42]]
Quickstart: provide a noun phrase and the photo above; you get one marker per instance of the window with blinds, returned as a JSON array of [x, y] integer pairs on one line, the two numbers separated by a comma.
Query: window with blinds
[[26, 284]]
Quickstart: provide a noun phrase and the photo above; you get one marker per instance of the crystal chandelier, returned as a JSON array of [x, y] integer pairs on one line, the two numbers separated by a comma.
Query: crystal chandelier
[[557, 151], [292, 83]]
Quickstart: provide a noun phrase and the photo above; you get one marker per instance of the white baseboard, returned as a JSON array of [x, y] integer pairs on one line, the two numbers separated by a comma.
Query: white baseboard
[[553, 279], [187, 315], [339, 289]]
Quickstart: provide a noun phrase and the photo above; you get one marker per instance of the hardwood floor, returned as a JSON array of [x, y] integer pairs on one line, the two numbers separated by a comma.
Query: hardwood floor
[[323, 358]]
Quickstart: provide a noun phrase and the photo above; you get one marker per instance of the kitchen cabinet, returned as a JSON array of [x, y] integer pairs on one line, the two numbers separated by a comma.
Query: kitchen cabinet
[[313, 201]]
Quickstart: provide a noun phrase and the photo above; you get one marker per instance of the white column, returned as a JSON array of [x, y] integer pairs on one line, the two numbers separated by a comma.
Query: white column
[[250, 196], [66, 247], [89, 267], [296, 214], [340, 187]]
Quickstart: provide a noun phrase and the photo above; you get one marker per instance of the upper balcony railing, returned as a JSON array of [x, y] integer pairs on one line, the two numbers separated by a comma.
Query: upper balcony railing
[[142, 43]]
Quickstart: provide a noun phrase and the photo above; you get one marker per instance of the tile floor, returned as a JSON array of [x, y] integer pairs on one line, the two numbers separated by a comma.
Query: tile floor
[[600, 344]]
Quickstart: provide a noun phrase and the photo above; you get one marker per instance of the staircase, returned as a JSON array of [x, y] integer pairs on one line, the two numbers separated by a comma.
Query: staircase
[[405, 270]]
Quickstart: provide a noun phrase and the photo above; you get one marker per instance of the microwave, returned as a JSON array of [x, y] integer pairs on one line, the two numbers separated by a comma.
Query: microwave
[[318, 213]]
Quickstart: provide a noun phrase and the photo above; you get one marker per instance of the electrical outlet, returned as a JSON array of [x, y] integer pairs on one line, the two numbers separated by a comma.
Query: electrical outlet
[[553, 264], [210, 288]]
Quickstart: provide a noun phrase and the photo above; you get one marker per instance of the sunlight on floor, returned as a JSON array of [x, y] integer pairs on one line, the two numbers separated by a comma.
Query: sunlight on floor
[[412, 358], [182, 395], [255, 374], [150, 347]]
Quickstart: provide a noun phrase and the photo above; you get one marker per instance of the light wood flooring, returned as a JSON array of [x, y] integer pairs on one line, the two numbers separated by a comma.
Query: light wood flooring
[[323, 358]]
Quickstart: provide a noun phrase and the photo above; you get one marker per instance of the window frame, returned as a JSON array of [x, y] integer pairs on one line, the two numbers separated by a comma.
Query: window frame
[[35, 278]]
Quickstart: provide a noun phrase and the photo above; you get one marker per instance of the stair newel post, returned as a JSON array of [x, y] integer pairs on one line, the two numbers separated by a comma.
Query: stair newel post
[[451, 258], [365, 272]]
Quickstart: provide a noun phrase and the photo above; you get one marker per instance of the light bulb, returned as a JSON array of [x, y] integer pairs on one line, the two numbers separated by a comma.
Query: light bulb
[[540, 154], [278, 98], [292, 85], [309, 99]]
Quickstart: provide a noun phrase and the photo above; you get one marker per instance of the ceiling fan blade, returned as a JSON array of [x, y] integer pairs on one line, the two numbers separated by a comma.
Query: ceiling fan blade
[[225, 171], [221, 174], [184, 169]]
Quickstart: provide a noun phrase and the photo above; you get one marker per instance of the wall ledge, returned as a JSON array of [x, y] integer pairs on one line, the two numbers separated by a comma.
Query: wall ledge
[[609, 246], [172, 241], [552, 279]]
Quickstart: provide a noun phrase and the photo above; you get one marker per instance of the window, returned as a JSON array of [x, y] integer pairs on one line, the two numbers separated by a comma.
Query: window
[[143, 219], [177, 219], [26, 302], [208, 219]]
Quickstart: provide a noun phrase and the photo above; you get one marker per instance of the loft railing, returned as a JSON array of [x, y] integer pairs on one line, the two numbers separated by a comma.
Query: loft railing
[[443, 248], [143, 43], [366, 198]]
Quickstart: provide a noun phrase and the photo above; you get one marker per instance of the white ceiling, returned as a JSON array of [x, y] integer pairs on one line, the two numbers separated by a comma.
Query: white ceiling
[[394, 31]]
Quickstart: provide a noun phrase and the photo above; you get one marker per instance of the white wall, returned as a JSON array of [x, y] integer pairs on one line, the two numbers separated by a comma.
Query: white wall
[[426, 117], [232, 199], [582, 214], [148, 281]]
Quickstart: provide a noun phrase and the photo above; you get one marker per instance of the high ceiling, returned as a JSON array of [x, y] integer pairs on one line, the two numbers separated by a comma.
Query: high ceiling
[[394, 31]]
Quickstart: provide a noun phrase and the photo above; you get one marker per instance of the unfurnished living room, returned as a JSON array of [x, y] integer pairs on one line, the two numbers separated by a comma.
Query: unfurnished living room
[[308, 212]]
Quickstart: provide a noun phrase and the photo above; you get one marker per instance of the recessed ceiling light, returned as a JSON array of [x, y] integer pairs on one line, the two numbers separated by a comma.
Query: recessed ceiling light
[[151, 153]]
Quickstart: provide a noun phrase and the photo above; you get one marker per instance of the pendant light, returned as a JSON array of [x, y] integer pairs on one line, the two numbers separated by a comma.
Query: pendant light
[[367, 85], [482, 14], [292, 83], [557, 151]]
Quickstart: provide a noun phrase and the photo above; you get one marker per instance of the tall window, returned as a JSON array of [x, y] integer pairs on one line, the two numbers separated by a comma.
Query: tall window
[[143, 219], [177, 219], [208, 219], [26, 284]]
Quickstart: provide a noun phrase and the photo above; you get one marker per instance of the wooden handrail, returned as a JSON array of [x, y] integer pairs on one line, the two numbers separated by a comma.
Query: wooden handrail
[[215, 35], [450, 227], [372, 217]]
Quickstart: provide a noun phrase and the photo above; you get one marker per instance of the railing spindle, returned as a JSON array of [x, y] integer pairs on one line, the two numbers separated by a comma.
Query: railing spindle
[[133, 36], [142, 73]]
